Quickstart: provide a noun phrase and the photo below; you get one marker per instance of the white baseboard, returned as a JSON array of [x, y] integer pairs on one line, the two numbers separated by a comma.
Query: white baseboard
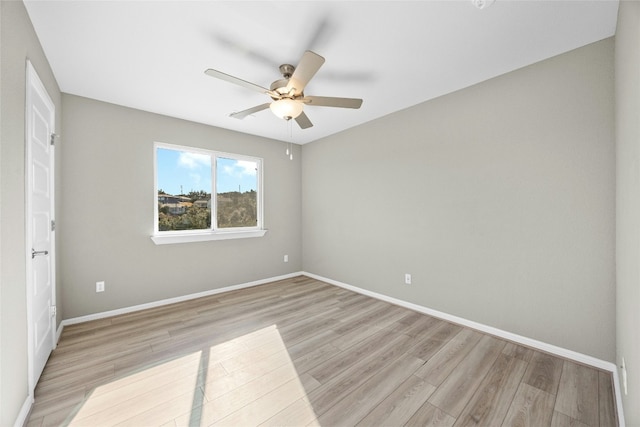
[[59, 333], [111, 313], [548, 348], [24, 412]]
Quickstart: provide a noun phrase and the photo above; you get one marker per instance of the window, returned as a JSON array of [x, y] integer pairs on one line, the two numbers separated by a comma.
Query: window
[[186, 178]]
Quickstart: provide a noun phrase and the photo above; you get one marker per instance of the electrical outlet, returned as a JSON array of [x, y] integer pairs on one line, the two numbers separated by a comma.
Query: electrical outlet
[[286, 258], [407, 279], [99, 286]]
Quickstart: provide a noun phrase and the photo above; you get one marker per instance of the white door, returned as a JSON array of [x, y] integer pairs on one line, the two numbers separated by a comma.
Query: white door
[[40, 127]]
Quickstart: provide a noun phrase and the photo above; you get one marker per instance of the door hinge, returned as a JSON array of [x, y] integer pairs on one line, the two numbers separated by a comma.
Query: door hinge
[[54, 136], [53, 310], [53, 225]]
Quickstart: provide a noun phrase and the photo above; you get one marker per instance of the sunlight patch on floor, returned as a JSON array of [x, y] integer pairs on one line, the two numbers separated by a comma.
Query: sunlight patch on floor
[[261, 382], [248, 380], [123, 399]]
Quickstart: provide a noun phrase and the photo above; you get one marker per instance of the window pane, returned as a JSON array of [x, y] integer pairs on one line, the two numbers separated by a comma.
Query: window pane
[[184, 190], [236, 189]]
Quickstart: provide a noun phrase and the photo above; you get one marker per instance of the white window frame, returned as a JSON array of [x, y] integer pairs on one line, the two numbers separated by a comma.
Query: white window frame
[[187, 236]]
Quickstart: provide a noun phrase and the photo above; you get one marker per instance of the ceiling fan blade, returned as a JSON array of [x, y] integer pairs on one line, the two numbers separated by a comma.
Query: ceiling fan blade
[[328, 101], [245, 113], [303, 121], [242, 49], [231, 79], [306, 69], [322, 29]]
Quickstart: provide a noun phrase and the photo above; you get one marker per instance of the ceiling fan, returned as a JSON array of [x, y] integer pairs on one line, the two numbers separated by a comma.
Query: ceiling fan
[[288, 98]]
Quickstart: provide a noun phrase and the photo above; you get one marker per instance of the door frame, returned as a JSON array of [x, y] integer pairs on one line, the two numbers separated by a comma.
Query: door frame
[[33, 83]]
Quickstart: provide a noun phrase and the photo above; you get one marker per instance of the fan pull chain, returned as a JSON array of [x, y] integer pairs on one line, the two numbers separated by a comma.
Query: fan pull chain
[[289, 125], [289, 151]]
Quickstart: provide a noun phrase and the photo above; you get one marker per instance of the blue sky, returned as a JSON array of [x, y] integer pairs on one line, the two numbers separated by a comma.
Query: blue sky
[[192, 171]]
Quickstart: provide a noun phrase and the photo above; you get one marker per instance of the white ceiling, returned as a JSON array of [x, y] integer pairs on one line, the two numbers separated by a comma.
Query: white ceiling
[[151, 55]]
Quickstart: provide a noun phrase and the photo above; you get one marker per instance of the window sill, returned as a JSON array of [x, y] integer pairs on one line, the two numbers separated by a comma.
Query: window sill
[[166, 239]]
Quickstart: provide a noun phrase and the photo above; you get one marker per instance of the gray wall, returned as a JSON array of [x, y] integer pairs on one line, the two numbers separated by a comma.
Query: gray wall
[[107, 215], [19, 42], [627, 94], [498, 199]]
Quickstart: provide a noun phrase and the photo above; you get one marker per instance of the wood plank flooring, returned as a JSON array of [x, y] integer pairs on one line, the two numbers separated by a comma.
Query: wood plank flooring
[[301, 352]]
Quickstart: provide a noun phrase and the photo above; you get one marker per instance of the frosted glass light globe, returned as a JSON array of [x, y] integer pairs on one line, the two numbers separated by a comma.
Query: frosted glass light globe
[[286, 108]]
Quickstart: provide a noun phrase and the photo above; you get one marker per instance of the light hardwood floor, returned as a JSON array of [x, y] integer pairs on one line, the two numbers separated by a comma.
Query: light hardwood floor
[[302, 352]]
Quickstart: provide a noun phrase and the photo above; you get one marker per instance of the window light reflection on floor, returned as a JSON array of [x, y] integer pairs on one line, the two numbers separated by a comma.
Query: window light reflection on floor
[[245, 381]]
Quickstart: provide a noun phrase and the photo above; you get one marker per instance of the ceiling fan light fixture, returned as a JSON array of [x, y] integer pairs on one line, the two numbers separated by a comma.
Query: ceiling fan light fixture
[[286, 108]]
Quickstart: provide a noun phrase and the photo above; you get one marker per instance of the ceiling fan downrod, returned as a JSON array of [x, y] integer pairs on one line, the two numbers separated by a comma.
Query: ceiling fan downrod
[[287, 70]]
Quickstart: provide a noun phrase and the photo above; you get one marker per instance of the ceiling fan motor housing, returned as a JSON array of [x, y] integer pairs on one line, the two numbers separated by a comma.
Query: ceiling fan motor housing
[[280, 86]]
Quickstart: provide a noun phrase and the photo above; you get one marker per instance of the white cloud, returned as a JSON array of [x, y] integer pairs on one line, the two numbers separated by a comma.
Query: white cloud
[[247, 167], [193, 160], [240, 168]]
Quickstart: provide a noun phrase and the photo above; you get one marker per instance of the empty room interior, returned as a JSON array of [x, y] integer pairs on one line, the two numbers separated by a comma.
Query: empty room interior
[[320, 213]]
